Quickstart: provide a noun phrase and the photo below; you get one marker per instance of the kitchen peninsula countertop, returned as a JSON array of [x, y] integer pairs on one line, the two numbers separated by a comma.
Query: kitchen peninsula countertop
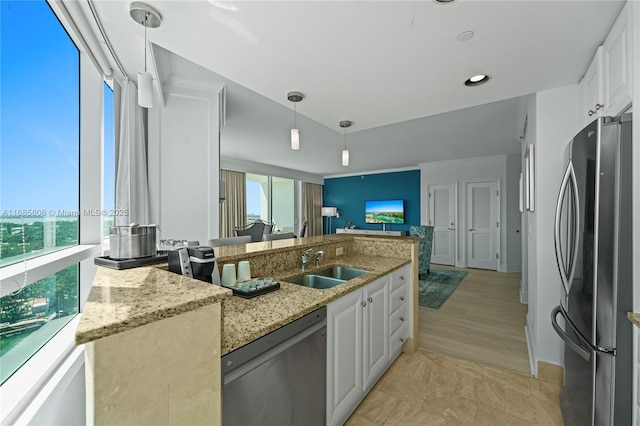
[[122, 300], [245, 320]]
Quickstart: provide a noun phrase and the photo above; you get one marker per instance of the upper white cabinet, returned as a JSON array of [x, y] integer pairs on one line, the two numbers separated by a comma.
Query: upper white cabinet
[[605, 88], [591, 90], [617, 51]]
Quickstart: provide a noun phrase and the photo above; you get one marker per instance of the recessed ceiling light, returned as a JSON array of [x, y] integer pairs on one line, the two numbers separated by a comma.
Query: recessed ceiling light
[[464, 36], [477, 80]]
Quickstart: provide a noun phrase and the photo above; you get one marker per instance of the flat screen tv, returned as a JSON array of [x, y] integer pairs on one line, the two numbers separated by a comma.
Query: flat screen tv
[[386, 211]]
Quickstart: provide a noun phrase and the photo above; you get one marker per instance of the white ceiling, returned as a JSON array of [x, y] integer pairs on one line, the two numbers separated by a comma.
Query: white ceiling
[[385, 65]]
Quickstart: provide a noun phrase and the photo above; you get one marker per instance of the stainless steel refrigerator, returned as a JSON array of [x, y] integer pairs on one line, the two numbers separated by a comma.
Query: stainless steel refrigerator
[[593, 242]]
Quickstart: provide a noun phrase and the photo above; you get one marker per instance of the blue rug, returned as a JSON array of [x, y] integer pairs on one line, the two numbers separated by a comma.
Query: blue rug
[[439, 285]]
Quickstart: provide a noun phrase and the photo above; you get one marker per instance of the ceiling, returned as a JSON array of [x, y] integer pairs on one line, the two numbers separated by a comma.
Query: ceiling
[[394, 68]]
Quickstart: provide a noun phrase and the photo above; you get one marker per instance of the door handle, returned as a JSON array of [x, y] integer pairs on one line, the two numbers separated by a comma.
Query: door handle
[[561, 261], [575, 346], [451, 229], [472, 229]]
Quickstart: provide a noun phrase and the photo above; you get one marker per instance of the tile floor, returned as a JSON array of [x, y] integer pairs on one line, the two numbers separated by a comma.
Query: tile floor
[[433, 389]]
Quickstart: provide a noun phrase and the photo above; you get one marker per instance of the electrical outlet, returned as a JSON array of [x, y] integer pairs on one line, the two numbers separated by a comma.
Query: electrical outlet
[[339, 251]]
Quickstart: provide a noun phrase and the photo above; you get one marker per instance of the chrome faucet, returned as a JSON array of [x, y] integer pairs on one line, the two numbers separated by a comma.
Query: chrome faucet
[[307, 257]]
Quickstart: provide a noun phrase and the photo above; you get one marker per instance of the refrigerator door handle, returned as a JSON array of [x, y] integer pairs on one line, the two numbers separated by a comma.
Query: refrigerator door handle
[[575, 346], [576, 224], [556, 230]]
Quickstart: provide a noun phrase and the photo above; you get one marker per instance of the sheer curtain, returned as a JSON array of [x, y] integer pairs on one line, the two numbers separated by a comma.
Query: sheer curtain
[[312, 206], [233, 212], [132, 185]]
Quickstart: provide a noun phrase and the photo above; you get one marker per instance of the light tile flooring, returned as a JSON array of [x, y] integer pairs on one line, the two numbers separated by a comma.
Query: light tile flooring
[[434, 389]]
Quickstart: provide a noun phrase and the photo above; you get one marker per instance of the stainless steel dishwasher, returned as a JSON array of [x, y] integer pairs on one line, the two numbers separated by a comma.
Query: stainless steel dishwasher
[[278, 379]]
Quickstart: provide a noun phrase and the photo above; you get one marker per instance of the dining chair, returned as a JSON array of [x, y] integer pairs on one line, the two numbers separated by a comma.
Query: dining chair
[[425, 232], [283, 236], [230, 241]]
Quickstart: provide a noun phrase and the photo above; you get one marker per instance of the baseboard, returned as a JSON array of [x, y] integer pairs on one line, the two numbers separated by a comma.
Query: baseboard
[[523, 296], [531, 351]]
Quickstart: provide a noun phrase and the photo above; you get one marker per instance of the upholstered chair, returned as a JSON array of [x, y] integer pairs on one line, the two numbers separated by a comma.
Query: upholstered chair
[[425, 232]]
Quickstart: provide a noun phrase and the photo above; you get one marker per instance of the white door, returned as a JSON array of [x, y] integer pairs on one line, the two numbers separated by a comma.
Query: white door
[[482, 224], [344, 356], [442, 203], [375, 332]]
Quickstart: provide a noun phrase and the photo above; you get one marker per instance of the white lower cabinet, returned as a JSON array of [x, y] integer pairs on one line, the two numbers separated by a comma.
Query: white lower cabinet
[[365, 332]]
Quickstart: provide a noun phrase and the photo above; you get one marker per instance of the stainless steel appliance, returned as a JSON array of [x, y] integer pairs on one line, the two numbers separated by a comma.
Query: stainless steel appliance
[[197, 262], [132, 241], [593, 241], [280, 378]]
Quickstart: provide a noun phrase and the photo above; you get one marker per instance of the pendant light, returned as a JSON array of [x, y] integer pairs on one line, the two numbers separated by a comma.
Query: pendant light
[[345, 152], [148, 17], [295, 97]]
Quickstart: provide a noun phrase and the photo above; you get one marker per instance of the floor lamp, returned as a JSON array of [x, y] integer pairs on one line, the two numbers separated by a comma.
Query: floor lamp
[[329, 212]]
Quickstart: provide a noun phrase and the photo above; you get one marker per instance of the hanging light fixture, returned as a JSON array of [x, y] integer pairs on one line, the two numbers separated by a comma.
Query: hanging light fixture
[[345, 152], [148, 17], [295, 97]]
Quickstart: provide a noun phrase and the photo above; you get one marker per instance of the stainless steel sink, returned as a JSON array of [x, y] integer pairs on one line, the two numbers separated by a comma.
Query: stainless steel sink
[[315, 281], [341, 272]]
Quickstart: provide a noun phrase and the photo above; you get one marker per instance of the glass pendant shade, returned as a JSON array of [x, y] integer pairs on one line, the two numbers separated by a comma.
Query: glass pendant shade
[[295, 139], [345, 157], [145, 90]]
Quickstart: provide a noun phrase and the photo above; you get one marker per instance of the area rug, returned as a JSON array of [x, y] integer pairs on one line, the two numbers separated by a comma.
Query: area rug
[[438, 286]]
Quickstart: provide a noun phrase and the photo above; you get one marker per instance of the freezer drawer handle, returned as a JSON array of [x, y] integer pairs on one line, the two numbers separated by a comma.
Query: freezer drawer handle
[[573, 345]]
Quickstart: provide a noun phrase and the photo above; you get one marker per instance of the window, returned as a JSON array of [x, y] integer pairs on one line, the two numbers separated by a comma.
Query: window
[[257, 197], [39, 174], [108, 155], [271, 199]]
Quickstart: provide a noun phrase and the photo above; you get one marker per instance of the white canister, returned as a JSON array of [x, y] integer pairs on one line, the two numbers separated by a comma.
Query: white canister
[[244, 270], [229, 274]]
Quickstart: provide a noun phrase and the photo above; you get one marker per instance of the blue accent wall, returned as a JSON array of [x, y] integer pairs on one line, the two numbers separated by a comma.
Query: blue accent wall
[[348, 194]]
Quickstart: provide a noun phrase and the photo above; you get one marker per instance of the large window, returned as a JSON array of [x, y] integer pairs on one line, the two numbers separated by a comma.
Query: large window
[[39, 174], [271, 199], [108, 155]]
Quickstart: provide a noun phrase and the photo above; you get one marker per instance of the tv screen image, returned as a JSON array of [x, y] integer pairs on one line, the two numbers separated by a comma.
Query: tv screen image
[[387, 211]]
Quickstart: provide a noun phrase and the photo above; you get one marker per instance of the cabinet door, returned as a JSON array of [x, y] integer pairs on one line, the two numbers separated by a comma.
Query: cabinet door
[[591, 98], [376, 330], [617, 64], [344, 356]]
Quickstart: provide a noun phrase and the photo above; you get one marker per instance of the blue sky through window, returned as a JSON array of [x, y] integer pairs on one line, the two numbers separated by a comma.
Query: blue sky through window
[[39, 110]]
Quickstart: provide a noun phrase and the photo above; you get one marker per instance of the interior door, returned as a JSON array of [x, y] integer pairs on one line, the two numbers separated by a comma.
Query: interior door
[[442, 203], [482, 223]]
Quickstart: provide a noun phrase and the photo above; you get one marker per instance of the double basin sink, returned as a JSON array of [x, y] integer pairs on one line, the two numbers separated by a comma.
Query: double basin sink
[[328, 277]]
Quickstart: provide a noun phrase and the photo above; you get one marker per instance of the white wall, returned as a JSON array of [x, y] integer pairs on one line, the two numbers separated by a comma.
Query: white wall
[[474, 170], [512, 226], [184, 162], [556, 121]]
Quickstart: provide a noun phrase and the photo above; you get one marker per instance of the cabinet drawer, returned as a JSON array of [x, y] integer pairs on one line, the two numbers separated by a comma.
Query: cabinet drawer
[[397, 339], [398, 319], [398, 298], [400, 277]]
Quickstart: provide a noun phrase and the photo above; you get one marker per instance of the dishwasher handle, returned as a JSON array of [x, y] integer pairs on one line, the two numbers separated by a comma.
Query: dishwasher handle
[[266, 356]]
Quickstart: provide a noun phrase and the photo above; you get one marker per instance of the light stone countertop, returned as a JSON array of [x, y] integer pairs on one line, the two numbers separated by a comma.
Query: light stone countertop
[[122, 300], [634, 318], [245, 320]]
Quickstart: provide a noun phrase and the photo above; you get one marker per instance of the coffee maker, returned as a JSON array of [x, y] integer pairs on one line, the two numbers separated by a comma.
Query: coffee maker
[[197, 262]]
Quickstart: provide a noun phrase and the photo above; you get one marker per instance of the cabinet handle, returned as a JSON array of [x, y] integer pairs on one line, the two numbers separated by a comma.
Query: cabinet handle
[[598, 106], [402, 339], [402, 319], [370, 300], [402, 298], [402, 277], [591, 112], [363, 303]]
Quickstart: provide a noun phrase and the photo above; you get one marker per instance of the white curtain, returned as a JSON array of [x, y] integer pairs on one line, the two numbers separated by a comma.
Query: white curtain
[[132, 185]]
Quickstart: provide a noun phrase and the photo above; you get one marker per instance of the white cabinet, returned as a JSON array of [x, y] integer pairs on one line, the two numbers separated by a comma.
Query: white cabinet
[[357, 347], [617, 58], [344, 356], [375, 331], [605, 88], [399, 311], [591, 91]]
